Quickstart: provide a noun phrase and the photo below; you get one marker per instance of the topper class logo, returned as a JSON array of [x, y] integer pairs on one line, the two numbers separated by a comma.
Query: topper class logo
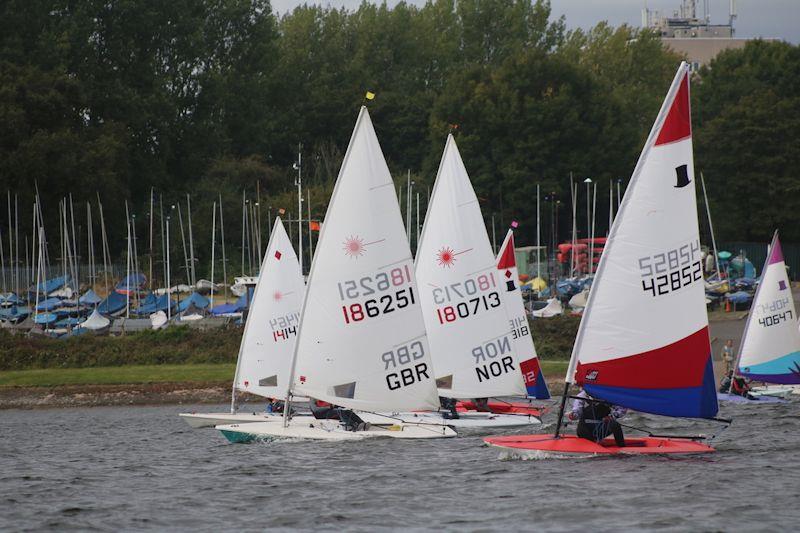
[[591, 375]]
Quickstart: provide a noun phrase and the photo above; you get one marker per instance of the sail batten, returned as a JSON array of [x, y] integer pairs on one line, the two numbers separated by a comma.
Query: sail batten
[[643, 340]]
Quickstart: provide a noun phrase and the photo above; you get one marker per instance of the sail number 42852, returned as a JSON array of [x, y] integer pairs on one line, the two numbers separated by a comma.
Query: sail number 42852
[[672, 270]]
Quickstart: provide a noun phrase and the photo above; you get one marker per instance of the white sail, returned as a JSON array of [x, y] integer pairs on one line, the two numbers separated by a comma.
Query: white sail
[[468, 328], [643, 340], [362, 341], [270, 333], [770, 348], [518, 320]]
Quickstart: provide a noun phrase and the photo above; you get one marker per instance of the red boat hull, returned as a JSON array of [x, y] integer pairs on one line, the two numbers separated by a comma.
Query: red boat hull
[[572, 445], [505, 408]]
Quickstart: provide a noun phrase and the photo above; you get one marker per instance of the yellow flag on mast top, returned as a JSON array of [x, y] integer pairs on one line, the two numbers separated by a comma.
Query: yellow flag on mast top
[[370, 95]]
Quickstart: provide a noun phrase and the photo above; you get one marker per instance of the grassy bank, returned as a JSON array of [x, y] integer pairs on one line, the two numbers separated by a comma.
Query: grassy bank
[[139, 374], [118, 375], [172, 346], [184, 346]]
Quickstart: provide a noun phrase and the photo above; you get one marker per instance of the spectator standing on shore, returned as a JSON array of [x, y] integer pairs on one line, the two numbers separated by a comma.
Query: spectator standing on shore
[[727, 356]]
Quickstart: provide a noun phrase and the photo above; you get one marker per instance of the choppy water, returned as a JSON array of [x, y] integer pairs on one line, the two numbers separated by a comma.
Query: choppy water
[[143, 468]]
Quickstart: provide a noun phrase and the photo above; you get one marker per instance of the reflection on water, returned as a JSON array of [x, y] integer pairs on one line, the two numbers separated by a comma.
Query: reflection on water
[[144, 468]]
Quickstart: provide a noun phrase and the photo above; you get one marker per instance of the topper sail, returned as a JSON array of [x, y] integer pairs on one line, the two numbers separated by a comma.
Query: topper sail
[[643, 340], [770, 349], [468, 328], [518, 320]]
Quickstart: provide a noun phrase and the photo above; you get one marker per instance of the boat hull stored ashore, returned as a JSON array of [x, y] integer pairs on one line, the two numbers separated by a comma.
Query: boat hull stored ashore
[[305, 428], [572, 446]]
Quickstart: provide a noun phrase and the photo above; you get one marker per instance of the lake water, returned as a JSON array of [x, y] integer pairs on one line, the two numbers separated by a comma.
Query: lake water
[[142, 468]]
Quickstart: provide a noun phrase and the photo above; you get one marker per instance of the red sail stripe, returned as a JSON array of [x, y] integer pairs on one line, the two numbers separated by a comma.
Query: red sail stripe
[[507, 259], [677, 365], [678, 124]]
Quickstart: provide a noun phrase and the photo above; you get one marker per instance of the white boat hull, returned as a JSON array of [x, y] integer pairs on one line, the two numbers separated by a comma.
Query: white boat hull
[[778, 391], [209, 420], [312, 429], [466, 420]]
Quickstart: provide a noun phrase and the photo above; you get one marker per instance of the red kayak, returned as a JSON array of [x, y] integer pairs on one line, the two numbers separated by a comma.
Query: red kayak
[[504, 408], [572, 445]]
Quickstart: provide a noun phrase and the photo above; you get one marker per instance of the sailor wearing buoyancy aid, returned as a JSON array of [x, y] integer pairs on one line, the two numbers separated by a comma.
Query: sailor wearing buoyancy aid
[[597, 419]]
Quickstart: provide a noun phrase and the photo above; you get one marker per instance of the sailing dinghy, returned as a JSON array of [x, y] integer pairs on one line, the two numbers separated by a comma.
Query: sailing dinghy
[[643, 339], [473, 336], [770, 348], [523, 340], [361, 342], [268, 341]]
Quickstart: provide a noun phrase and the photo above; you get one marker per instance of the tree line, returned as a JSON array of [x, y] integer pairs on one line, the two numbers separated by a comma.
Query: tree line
[[216, 97]]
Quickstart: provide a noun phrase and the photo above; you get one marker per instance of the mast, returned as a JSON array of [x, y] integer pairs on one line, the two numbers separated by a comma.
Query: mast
[[300, 205], [11, 244], [128, 265], [222, 240], [538, 237], [191, 239], [150, 269], [213, 243], [711, 227], [166, 274], [16, 242], [591, 242], [75, 271], [104, 236], [244, 229], [183, 241], [308, 209]]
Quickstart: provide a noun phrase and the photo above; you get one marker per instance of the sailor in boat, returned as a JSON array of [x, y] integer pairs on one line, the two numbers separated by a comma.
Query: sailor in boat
[[275, 406], [597, 419], [482, 405], [449, 408], [736, 385], [325, 411]]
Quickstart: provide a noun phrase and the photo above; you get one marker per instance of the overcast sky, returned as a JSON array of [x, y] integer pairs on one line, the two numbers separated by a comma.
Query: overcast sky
[[774, 19]]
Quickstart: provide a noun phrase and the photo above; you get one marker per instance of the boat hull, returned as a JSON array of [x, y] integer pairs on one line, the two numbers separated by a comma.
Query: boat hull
[[209, 420], [735, 398], [328, 430], [506, 408], [572, 446], [466, 420]]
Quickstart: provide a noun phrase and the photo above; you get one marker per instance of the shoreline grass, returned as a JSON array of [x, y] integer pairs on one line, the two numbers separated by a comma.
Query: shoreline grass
[[142, 374], [117, 375]]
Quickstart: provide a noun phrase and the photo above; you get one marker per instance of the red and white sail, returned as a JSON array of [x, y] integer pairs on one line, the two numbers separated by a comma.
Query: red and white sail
[[472, 344], [268, 342], [643, 340], [362, 341], [518, 320]]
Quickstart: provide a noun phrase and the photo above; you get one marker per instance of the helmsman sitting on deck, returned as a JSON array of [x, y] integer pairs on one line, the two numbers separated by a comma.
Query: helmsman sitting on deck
[[325, 411], [597, 419]]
